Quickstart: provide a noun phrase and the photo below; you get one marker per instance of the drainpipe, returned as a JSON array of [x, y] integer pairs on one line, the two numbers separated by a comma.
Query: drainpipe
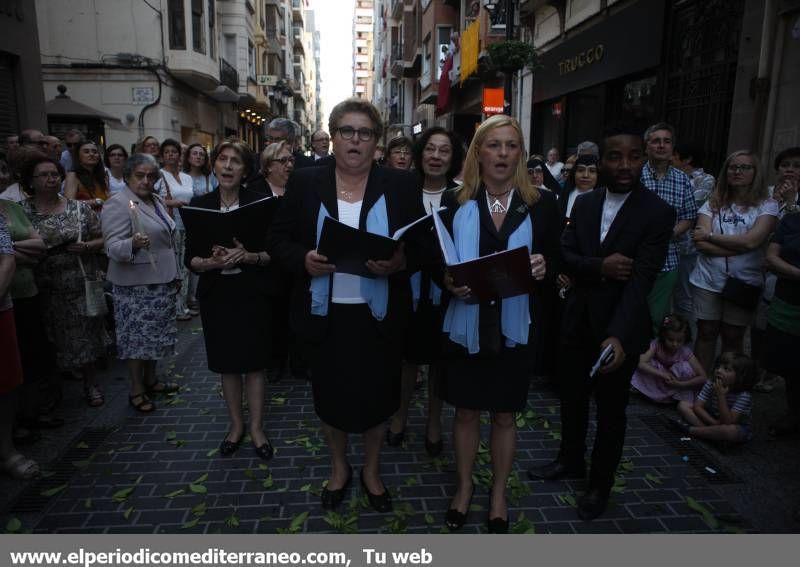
[[777, 61], [761, 85]]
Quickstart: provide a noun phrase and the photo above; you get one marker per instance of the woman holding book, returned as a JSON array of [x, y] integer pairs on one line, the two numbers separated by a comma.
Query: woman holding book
[[490, 349], [234, 301], [353, 326], [438, 156]]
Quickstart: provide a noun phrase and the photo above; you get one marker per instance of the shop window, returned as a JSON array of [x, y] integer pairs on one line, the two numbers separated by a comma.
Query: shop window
[[177, 24], [251, 60], [425, 79], [198, 27]]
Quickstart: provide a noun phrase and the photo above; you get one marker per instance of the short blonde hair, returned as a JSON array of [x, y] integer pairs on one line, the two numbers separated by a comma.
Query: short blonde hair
[[472, 168], [271, 152]]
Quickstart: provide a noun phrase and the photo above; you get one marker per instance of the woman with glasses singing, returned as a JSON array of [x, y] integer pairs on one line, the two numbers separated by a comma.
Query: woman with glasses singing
[[438, 157], [732, 230], [71, 231], [277, 163], [490, 349], [143, 269], [398, 153], [352, 325], [233, 291]]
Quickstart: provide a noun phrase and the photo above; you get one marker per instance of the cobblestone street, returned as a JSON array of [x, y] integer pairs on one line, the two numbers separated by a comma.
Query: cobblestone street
[[116, 471]]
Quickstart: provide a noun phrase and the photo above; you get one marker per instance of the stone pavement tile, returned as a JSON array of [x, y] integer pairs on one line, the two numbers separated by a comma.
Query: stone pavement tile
[[598, 526], [554, 527], [137, 529], [640, 525], [158, 517], [659, 495], [693, 524], [650, 510], [56, 521]]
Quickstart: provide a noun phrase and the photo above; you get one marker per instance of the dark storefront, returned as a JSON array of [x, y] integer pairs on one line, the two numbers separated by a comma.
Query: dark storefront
[[651, 61]]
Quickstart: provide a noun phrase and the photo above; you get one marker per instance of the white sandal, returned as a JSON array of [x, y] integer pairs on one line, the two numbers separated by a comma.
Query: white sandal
[[20, 467]]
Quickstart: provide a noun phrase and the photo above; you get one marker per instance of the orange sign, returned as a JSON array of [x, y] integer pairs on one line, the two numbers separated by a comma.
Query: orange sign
[[493, 100]]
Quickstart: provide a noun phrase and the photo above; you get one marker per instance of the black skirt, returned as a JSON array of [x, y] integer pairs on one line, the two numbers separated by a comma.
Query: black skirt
[[779, 354], [236, 320], [355, 371], [423, 334]]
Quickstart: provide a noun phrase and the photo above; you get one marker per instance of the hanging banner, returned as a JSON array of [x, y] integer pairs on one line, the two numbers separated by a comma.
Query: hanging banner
[[470, 43]]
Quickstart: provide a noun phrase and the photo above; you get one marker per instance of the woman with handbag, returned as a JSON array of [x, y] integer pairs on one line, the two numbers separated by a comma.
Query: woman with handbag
[[176, 188], [72, 301], [490, 349], [731, 233], [144, 272]]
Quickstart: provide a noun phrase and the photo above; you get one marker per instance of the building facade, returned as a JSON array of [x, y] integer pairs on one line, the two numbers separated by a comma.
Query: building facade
[[363, 15]]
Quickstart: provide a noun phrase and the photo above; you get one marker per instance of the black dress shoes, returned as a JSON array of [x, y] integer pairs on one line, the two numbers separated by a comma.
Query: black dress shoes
[[381, 503], [556, 470], [228, 448], [592, 504], [265, 451], [455, 520], [395, 439], [497, 526], [434, 448], [332, 498]]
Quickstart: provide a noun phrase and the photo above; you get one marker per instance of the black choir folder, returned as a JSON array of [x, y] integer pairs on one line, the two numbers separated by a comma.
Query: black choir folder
[[349, 248], [248, 224], [495, 276]]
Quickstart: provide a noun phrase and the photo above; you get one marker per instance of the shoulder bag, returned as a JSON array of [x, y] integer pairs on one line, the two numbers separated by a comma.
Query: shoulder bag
[[737, 291]]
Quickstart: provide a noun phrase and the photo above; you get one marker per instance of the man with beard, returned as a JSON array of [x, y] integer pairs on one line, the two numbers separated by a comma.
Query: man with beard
[[614, 247]]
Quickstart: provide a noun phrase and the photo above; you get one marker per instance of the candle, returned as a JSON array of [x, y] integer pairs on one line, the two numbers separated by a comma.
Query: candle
[[137, 227]]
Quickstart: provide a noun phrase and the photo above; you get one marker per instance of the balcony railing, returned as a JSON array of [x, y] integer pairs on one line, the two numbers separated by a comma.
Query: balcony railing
[[228, 75]]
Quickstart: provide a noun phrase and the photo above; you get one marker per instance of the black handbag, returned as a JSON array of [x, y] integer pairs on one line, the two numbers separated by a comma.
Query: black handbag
[[736, 291]]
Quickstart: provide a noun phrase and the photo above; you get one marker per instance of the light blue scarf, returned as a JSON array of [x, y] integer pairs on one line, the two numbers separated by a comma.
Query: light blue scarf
[[374, 290], [434, 294], [461, 319]]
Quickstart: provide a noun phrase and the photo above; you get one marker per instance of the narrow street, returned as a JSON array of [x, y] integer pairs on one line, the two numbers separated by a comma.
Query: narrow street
[[116, 471]]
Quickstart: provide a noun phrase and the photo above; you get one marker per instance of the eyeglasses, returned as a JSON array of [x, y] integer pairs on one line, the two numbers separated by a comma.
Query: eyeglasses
[[49, 175], [284, 160], [734, 167], [364, 134], [400, 152], [149, 176]]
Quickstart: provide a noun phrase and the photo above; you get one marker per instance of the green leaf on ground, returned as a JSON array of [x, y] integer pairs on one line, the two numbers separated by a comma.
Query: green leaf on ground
[[296, 524], [551, 410], [198, 488], [87, 503], [201, 479], [268, 483], [248, 473], [200, 509], [475, 508], [232, 521], [568, 499], [212, 452], [82, 445], [411, 481], [82, 464], [14, 525], [170, 435], [522, 526], [139, 479], [203, 411], [190, 524], [653, 478], [122, 495], [555, 435], [278, 401], [429, 519], [175, 493], [53, 491], [128, 513], [708, 517]]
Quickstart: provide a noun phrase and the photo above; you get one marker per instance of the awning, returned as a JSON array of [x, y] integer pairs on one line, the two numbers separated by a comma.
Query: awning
[[63, 106]]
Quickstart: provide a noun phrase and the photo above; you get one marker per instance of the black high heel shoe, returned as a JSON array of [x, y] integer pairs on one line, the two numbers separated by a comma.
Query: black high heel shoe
[[455, 520], [395, 439], [381, 503], [332, 498], [265, 451], [496, 525]]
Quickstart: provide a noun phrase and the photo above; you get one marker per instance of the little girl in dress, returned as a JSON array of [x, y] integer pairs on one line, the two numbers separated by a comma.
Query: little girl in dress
[[668, 371]]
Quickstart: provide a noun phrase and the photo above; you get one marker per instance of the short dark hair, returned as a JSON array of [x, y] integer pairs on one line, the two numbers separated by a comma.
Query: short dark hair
[[113, 147], [675, 324], [356, 105], [29, 166], [457, 158], [787, 153], [169, 142], [695, 155], [744, 368], [621, 129], [398, 142]]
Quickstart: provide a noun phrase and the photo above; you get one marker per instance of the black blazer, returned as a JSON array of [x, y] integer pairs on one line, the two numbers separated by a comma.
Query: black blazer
[[641, 230], [253, 277], [546, 224], [301, 161], [294, 232]]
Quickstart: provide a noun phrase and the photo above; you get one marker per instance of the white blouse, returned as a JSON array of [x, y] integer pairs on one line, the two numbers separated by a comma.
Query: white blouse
[[347, 287]]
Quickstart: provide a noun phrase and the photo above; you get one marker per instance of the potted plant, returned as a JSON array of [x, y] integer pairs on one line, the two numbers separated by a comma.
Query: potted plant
[[511, 55]]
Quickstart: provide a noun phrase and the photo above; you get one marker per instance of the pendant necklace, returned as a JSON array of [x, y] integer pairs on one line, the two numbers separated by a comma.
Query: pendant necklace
[[228, 205], [497, 207]]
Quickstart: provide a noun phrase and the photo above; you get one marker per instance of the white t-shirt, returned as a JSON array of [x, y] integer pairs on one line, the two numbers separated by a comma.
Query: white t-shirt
[[709, 272], [571, 199], [611, 206], [432, 199], [556, 168], [115, 185], [347, 287], [182, 189]]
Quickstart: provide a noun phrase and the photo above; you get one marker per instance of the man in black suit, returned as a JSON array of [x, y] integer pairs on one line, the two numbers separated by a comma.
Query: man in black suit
[[613, 250]]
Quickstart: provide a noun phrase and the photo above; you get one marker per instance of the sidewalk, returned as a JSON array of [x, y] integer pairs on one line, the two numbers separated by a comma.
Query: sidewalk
[[117, 471]]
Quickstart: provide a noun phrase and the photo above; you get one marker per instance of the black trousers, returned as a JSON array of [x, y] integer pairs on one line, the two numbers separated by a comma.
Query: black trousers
[[610, 393]]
